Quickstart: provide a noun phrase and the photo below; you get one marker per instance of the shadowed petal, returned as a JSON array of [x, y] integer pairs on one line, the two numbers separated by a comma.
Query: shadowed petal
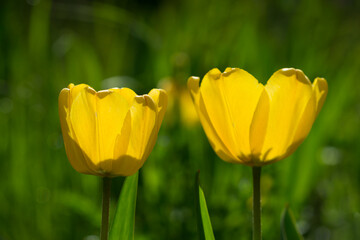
[[320, 88], [258, 127], [111, 109], [160, 98], [143, 114]]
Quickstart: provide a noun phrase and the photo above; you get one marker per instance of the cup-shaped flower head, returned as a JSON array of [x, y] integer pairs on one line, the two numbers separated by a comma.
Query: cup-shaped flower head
[[252, 124], [111, 132]]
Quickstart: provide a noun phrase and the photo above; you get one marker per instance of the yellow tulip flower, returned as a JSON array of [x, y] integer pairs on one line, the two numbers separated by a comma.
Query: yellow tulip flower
[[252, 124], [111, 132]]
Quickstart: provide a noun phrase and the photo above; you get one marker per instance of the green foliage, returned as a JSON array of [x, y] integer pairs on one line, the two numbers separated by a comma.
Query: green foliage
[[205, 230], [288, 226], [123, 226], [46, 45]]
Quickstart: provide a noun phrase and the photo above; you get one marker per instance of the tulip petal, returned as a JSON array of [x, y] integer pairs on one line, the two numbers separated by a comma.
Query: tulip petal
[[121, 161], [110, 113], [230, 100], [74, 92], [160, 98], [229, 69], [258, 127], [303, 127], [142, 121], [143, 117], [320, 87], [289, 93], [217, 144], [126, 93], [74, 153], [83, 121], [312, 109]]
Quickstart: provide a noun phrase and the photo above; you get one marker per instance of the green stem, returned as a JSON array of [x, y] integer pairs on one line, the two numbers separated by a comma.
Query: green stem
[[104, 232], [256, 203]]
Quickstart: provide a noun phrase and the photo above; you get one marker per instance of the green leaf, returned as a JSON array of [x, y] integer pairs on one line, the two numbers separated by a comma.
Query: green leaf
[[124, 219], [289, 230], [205, 230]]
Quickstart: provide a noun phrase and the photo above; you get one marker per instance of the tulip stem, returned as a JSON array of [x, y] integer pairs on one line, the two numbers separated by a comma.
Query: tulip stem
[[256, 203], [104, 232]]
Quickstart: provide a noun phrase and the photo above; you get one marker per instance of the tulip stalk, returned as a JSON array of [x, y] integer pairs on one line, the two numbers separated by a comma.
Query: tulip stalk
[[256, 203], [104, 232]]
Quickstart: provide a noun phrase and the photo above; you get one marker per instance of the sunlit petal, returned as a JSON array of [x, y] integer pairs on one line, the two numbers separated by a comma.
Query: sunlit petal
[[241, 94], [214, 139], [224, 97], [312, 109], [75, 91], [289, 92], [126, 93], [83, 121], [74, 153], [303, 127]]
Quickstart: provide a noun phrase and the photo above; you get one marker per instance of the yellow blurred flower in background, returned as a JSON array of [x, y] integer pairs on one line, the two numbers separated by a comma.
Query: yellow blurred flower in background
[[188, 114], [179, 103], [252, 124], [111, 132]]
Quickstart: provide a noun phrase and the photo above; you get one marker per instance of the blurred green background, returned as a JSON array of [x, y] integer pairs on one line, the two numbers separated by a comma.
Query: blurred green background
[[143, 44]]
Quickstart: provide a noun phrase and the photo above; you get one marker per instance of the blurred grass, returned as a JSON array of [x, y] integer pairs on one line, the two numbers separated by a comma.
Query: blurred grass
[[47, 45]]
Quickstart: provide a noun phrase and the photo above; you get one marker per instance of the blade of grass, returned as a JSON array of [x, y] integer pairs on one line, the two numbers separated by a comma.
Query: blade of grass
[[289, 230], [124, 219], [205, 230]]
